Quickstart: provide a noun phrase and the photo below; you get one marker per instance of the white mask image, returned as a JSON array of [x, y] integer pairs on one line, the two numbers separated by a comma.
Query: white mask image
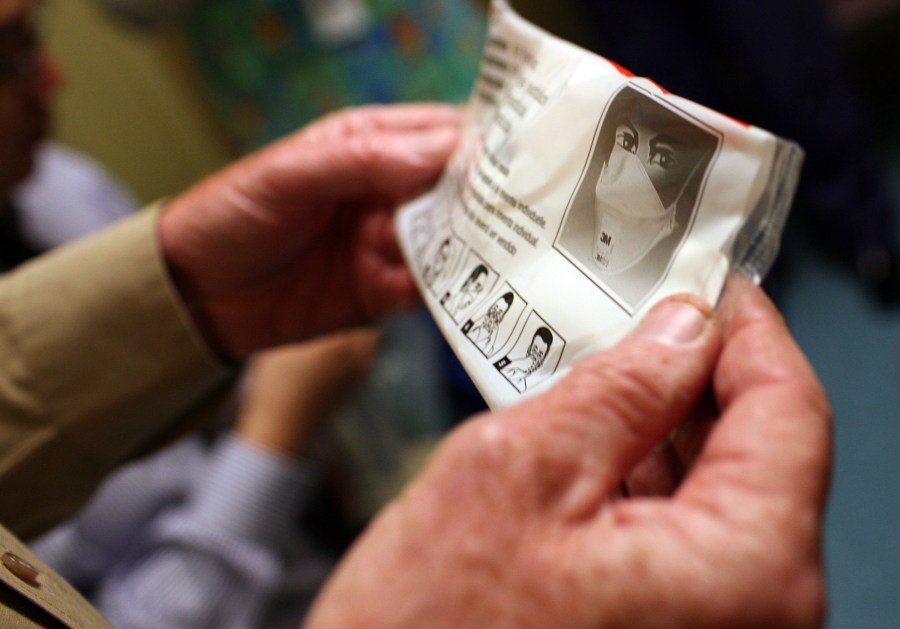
[[630, 218]]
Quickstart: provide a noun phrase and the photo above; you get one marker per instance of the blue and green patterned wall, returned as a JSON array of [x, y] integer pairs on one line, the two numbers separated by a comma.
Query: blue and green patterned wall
[[268, 70]]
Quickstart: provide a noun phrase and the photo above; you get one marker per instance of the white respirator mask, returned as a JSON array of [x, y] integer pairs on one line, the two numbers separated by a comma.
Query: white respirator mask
[[630, 218]]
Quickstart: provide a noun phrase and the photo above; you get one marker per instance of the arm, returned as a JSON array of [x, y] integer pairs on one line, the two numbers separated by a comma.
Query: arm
[[87, 548], [224, 556], [227, 554], [290, 390], [517, 521], [105, 355], [100, 361]]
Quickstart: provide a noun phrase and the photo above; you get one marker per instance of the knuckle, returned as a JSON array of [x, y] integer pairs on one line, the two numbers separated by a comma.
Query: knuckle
[[364, 147], [483, 442], [340, 125]]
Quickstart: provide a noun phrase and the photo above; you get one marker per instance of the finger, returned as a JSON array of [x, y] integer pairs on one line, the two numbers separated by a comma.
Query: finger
[[689, 437], [372, 151], [396, 117], [384, 267], [595, 426], [770, 450], [658, 474], [662, 471]]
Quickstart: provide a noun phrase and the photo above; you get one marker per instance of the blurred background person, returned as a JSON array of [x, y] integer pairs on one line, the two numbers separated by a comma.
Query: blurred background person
[[220, 530], [49, 193]]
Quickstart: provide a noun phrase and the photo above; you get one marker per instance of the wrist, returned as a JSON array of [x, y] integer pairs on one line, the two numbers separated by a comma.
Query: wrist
[[176, 255]]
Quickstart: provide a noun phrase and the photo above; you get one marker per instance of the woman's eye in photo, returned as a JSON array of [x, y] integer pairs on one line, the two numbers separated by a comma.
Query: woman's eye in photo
[[627, 139], [662, 156]]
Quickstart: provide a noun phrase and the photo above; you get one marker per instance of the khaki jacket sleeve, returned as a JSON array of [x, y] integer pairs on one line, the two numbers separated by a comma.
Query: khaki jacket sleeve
[[33, 596], [98, 362]]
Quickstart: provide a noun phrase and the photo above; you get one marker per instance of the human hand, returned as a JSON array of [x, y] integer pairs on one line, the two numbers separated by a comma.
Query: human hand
[[298, 238], [290, 390], [517, 520]]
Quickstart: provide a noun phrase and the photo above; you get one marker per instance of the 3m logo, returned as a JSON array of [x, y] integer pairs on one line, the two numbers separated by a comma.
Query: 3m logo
[[606, 239]]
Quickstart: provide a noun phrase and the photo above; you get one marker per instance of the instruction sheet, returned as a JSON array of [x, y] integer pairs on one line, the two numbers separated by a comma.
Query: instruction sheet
[[579, 196]]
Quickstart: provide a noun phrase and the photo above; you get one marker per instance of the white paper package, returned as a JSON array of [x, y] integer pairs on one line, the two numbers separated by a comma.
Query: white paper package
[[579, 196]]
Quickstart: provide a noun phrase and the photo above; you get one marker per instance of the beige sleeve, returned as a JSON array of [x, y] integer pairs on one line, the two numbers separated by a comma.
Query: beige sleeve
[[98, 362], [33, 596]]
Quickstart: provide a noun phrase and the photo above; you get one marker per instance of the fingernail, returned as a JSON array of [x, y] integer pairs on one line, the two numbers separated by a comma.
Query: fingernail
[[673, 323], [435, 143]]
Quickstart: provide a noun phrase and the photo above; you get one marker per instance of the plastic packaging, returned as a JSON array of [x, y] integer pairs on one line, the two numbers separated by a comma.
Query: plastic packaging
[[579, 196]]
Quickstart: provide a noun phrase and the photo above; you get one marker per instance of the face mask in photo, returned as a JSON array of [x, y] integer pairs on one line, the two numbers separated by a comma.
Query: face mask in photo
[[630, 216]]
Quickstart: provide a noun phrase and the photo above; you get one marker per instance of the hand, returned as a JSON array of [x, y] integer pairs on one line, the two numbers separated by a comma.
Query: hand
[[289, 391], [517, 519], [298, 239]]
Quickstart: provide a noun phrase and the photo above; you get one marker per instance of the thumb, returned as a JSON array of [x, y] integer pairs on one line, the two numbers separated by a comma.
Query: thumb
[[614, 406]]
